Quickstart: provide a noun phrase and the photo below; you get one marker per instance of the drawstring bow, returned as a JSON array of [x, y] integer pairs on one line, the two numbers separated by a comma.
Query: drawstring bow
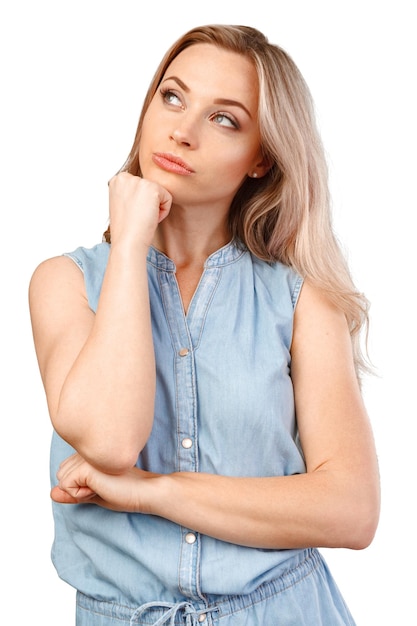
[[192, 617]]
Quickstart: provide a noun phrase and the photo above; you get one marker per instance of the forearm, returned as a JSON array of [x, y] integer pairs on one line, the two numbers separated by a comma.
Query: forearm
[[314, 509], [105, 407], [329, 507]]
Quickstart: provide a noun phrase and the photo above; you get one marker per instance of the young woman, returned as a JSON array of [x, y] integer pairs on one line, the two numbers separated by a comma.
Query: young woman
[[202, 364]]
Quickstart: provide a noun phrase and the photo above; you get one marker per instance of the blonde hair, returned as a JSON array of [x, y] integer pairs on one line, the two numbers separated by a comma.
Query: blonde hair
[[284, 216]]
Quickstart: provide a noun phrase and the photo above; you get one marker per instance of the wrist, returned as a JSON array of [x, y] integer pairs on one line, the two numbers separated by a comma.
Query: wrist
[[128, 249], [161, 495]]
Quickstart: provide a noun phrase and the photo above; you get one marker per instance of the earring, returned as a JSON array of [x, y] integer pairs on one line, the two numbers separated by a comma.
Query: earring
[[255, 175]]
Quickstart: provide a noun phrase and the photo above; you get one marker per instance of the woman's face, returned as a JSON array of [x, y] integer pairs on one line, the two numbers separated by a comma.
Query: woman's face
[[200, 135]]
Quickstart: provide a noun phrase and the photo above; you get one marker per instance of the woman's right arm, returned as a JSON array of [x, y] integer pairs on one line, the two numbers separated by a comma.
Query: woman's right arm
[[98, 370]]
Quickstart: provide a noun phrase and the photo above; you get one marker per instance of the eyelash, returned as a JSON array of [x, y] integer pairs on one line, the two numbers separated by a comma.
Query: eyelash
[[165, 92]]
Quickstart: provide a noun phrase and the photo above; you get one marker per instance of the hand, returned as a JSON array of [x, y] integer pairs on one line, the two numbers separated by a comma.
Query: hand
[[80, 482], [137, 206]]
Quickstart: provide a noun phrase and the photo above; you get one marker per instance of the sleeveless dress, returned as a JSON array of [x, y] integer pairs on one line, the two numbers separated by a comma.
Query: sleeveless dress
[[224, 405]]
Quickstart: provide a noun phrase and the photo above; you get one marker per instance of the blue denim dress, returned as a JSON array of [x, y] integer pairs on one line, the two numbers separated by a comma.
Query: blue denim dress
[[224, 405]]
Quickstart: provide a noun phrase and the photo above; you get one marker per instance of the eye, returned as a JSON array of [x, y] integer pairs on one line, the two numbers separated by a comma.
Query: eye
[[224, 119], [170, 97]]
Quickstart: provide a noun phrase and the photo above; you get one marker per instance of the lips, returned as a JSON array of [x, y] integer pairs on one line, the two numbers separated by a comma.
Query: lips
[[171, 163]]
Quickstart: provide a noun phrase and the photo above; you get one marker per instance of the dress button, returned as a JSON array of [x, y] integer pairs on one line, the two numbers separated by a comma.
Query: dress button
[[202, 617], [190, 538], [187, 443], [183, 352]]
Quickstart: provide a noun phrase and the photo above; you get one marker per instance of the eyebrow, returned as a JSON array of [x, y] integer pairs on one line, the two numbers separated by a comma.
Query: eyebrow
[[226, 101], [235, 103]]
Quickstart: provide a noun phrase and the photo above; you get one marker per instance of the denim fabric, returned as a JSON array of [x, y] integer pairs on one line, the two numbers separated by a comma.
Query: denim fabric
[[304, 595], [224, 405]]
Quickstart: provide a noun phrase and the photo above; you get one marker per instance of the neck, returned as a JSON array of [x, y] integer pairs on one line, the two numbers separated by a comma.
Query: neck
[[189, 240]]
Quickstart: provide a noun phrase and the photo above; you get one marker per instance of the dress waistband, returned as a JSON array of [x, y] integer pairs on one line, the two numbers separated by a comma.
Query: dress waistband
[[203, 613]]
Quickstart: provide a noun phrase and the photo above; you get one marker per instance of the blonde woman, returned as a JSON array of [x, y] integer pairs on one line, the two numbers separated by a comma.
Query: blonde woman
[[202, 363]]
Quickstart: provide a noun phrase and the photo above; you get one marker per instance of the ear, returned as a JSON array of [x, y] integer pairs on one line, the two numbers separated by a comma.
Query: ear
[[261, 167]]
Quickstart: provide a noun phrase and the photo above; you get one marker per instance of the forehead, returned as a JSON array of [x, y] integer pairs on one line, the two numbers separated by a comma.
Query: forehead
[[217, 72]]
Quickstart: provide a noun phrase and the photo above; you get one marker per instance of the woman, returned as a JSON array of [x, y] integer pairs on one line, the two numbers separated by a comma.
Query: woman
[[202, 369]]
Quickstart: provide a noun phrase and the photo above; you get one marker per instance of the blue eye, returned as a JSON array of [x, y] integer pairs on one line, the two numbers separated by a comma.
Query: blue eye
[[224, 120]]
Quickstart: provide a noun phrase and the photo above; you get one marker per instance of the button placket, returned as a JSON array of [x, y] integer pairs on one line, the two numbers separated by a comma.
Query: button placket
[[185, 333], [187, 446]]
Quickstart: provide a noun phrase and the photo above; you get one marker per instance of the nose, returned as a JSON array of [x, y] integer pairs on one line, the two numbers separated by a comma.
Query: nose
[[180, 138], [184, 132]]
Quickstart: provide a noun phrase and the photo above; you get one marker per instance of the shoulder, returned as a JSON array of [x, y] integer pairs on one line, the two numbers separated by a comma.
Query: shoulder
[[55, 284], [81, 256], [316, 310], [321, 337], [53, 272], [81, 270]]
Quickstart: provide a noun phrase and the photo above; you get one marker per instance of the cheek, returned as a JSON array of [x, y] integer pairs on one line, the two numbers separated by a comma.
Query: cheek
[[235, 164], [145, 144], [146, 129], [227, 177]]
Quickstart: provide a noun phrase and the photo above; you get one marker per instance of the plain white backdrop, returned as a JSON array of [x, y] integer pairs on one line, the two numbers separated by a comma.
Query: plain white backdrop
[[73, 77]]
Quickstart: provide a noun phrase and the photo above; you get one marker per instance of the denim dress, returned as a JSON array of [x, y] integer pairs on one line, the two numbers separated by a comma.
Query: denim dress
[[224, 405]]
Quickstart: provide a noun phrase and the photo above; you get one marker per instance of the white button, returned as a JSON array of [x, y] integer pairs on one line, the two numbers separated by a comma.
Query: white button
[[202, 617], [187, 443], [183, 352], [190, 538]]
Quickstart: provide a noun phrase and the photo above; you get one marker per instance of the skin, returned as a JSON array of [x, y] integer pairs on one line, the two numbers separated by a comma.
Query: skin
[[99, 369]]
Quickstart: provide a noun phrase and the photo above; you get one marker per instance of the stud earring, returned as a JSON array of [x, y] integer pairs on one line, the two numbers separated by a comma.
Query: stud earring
[[255, 175]]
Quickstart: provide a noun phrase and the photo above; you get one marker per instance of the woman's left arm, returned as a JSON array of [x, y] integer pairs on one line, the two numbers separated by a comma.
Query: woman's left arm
[[334, 504]]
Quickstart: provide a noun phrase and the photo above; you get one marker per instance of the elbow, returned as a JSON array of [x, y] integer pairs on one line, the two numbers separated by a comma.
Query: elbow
[[362, 535], [359, 523], [350, 512], [367, 512], [112, 452], [353, 506], [107, 455], [110, 459], [365, 528]]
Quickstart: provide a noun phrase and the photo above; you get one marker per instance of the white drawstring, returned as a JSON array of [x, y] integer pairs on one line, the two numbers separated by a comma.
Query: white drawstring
[[191, 615]]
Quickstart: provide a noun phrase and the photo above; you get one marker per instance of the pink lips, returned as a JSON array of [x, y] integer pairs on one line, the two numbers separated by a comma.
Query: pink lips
[[171, 163]]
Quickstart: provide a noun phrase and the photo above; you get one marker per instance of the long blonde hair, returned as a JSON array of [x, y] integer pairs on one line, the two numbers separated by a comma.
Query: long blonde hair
[[284, 216]]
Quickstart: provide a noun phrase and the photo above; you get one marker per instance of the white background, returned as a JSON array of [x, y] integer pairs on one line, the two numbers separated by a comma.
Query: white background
[[73, 77]]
